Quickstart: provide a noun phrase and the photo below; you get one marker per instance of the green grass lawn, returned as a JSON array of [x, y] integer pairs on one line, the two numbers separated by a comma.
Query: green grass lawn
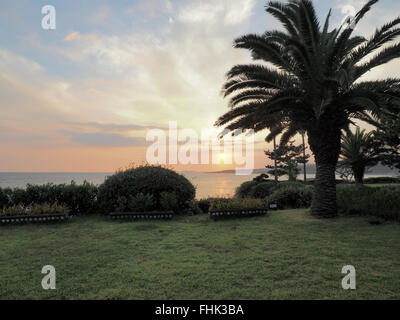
[[284, 255]]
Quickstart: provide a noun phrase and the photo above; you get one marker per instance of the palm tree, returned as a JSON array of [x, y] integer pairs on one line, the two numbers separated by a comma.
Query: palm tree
[[275, 163], [388, 133], [303, 133], [310, 83], [359, 151]]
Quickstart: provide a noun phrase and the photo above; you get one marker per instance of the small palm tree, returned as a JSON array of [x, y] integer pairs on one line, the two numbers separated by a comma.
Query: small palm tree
[[305, 157], [388, 133], [359, 151], [310, 82]]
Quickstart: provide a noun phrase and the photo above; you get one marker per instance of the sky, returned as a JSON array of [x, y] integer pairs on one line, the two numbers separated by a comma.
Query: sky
[[82, 97]]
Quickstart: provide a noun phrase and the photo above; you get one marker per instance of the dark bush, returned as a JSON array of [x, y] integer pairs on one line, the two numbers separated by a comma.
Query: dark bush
[[192, 208], [382, 202], [263, 177], [168, 201], [204, 205], [259, 189], [40, 194], [244, 190], [18, 196], [4, 198], [284, 184], [291, 196], [150, 180], [140, 203], [262, 190], [311, 181], [237, 204], [378, 180], [80, 199]]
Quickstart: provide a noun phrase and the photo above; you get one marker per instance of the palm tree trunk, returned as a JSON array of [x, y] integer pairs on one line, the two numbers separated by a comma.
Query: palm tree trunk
[[304, 156], [358, 174], [275, 164], [324, 198], [325, 145]]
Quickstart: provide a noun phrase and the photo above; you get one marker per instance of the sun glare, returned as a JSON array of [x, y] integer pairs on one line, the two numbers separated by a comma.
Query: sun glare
[[222, 156]]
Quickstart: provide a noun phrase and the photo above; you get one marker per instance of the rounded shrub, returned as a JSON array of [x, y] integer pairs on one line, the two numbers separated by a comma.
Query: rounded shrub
[[157, 188], [286, 184], [259, 189], [244, 190], [291, 196], [262, 190]]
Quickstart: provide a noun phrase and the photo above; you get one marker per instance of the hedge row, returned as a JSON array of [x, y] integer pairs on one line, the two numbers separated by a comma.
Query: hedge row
[[260, 189], [285, 194], [383, 180], [382, 202], [290, 196], [80, 199], [139, 189]]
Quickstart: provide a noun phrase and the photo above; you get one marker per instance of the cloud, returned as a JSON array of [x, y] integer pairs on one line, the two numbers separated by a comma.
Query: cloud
[[76, 35], [11, 135], [26, 91], [169, 6], [18, 62], [231, 12], [132, 79], [100, 139], [118, 127], [155, 78], [152, 9], [101, 15], [380, 14]]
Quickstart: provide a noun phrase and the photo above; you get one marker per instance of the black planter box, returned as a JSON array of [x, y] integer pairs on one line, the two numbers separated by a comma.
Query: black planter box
[[154, 215], [33, 218], [237, 213]]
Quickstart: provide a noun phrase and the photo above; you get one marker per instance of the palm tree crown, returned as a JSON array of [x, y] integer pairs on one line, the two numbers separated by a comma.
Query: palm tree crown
[[308, 81], [359, 151]]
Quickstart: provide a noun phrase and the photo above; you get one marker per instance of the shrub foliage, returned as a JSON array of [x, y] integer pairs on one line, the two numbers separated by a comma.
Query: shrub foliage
[[167, 190], [80, 199], [237, 204], [385, 180], [45, 208], [382, 202], [291, 196]]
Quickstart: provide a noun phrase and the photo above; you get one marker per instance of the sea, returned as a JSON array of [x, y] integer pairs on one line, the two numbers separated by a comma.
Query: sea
[[207, 184]]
